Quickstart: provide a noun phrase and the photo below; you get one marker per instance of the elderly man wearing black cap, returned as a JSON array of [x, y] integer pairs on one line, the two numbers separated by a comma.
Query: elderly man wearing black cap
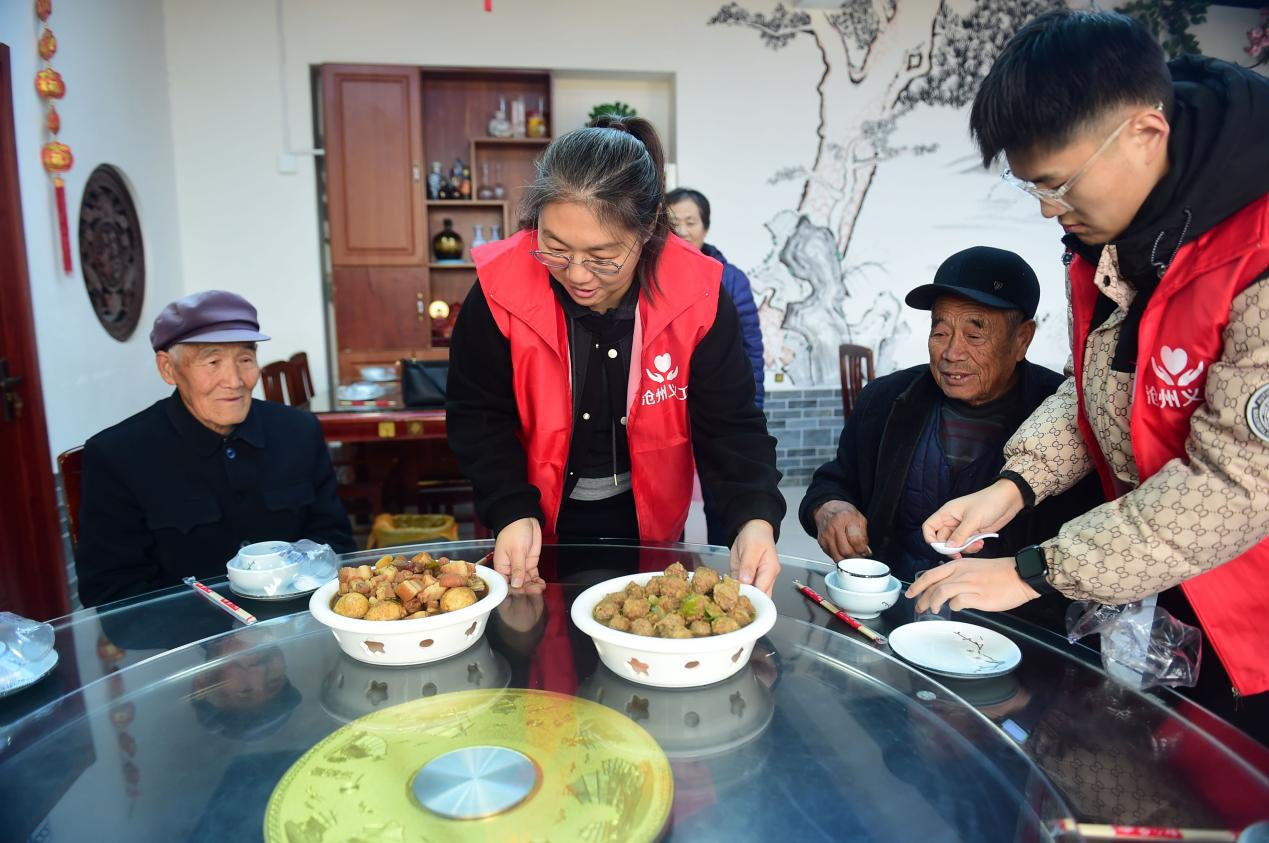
[[925, 435], [178, 488]]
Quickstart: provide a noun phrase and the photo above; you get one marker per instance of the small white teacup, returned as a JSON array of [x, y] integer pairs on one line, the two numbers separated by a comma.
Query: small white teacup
[[866, 575], [263, 556]]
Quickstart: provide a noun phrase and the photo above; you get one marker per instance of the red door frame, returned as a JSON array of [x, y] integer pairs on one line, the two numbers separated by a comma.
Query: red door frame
[[32, 566]]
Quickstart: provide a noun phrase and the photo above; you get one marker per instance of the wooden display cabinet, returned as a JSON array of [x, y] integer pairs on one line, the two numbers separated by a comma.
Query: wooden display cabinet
[[383, 126]]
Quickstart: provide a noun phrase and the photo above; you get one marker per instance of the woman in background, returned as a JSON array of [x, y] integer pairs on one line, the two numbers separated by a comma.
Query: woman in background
[[689, 214]]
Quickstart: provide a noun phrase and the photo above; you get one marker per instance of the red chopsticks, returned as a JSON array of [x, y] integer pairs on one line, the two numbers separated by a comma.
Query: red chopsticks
[[871, 634], [1092, 831]]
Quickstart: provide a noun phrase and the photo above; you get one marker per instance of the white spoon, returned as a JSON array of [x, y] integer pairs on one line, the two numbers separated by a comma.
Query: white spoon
[[948, 550]]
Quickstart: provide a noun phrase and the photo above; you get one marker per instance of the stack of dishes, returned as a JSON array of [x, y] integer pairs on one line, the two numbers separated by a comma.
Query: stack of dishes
[[862, 588]]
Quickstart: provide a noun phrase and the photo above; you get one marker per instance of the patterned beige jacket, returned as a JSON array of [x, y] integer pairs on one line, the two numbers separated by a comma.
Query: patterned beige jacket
[[1188, 517]]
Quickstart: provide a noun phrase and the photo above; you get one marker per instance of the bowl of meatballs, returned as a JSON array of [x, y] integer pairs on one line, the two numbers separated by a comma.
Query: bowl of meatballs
[[403, 611], [676, 629]]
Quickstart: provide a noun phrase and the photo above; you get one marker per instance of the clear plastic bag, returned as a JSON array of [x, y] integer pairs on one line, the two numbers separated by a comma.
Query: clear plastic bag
[[24, 640], [318, 564], [24, 646], [1141, 643]]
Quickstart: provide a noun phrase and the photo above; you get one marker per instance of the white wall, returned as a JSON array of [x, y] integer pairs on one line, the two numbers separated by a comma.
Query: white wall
[[113, 59], [650, 95], [186, 97]]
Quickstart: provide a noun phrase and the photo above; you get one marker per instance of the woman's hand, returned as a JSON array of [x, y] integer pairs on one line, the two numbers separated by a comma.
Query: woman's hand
[[524, 605], [517, 549], [754, 560], [982, 512]]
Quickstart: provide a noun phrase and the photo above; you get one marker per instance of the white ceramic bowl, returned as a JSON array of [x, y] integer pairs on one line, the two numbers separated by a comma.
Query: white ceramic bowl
[[353, 689], [260, 568], [861, 604], [671, 662], [864, 575], [689, 725], [415, 641]]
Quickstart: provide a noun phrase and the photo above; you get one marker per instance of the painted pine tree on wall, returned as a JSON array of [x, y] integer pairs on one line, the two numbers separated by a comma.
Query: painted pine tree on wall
[[879, 59]]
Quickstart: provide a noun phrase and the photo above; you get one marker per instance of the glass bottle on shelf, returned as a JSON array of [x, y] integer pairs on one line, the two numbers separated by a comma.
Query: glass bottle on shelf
[[447, 246], [486, 187], [537, 120], [499, 125], [478, 238], [500, 192], [495, 233], [517, 117], [465, 185], [434, 181]]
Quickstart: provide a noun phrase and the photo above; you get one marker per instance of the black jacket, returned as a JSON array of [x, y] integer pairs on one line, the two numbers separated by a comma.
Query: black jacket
[[164, 497], [735, 455], [876, 449]]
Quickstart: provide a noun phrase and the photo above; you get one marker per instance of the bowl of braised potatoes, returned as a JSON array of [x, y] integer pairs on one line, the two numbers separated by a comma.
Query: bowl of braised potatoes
[[408, 610], [676, 629]]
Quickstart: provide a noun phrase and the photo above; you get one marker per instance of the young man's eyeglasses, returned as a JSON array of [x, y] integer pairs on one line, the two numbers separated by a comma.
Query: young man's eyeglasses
[[1053, 196], [602, 268]]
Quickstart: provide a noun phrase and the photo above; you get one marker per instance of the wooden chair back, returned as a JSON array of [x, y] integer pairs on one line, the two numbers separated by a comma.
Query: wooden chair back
[[272, 378], [299, 379], [857, 371], [70, 464]]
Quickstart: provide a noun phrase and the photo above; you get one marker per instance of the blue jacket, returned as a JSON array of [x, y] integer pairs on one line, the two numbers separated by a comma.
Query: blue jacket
[[737, 286]]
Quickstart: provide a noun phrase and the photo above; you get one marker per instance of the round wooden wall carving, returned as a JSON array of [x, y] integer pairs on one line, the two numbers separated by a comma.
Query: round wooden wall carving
[[111, 252]]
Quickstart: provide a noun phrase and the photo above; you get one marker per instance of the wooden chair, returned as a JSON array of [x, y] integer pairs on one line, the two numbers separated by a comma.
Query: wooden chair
[[271, 376], [299, 379], [70, 464], [856, 366]]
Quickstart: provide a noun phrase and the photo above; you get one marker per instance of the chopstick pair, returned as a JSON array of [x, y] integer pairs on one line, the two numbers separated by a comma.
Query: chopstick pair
[[871, 634], [1094, 831], [228, 605]]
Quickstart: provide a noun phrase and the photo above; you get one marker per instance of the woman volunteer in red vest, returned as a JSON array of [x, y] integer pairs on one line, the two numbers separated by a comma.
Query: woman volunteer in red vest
[[596, 359], [1159, 174]]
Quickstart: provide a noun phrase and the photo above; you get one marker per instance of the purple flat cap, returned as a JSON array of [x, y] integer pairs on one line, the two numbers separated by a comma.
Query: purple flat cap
[[209, 316]]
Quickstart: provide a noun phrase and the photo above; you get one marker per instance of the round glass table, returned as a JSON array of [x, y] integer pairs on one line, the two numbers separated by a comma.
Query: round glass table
[[166, 719]]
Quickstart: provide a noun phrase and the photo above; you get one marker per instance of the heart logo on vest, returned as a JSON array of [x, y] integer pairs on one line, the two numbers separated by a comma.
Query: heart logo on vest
[[663, 372], [1173, 370]]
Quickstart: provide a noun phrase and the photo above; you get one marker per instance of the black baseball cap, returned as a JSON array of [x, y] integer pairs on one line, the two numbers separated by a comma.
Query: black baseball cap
[[993, 277]]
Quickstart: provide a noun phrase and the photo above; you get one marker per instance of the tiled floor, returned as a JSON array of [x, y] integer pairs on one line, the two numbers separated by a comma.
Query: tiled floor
[[793, 540]]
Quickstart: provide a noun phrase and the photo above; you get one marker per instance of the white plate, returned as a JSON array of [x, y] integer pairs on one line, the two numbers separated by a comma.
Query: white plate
[[381, 374], [292, 593], [29, 674], [956, 649], [360, 391]]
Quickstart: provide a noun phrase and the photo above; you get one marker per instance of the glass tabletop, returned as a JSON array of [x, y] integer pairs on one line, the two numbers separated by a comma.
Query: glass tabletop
[[166, 719]]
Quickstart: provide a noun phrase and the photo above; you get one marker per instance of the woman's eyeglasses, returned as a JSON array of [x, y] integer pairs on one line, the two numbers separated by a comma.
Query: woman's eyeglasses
[[602, 268]]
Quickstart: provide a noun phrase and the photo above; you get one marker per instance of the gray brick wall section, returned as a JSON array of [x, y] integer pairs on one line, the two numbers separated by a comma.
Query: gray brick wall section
[[806, 424]]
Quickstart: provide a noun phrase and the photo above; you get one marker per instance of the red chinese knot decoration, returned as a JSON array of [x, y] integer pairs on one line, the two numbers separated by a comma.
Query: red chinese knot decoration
[[55, 155]]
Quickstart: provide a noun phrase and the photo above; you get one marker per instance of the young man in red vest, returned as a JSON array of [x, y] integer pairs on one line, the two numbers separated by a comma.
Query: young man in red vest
[[1159, 175]]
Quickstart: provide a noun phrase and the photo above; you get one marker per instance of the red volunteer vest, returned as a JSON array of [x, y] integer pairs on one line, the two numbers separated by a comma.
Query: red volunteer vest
[[1179, 340], [668, 327]]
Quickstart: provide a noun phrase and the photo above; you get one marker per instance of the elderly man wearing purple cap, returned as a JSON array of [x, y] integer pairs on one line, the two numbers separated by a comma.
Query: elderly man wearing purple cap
[[178, 488]]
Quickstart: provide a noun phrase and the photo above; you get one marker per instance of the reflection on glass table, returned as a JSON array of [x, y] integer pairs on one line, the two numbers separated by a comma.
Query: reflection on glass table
[[170, 722]]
